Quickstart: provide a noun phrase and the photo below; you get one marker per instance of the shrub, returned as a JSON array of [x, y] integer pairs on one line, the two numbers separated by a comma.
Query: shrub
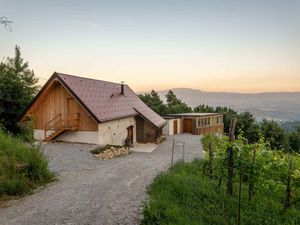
[[22, 166]]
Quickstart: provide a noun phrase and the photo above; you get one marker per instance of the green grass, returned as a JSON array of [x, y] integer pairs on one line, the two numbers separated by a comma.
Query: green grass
[[187, 197], [15, 181]]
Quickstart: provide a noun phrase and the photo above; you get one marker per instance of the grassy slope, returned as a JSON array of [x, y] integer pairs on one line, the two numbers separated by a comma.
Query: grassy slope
[[187, 197], [14, 181]]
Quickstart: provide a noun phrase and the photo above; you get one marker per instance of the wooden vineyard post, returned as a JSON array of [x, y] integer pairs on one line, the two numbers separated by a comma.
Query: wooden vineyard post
[[172, 156], [230, 161], [240, 183], [211, 159], [287, 201], [183, 149], [230, 164], [251, 176]]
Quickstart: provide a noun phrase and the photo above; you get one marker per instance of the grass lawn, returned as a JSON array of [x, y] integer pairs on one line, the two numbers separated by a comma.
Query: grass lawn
[[186, 197]]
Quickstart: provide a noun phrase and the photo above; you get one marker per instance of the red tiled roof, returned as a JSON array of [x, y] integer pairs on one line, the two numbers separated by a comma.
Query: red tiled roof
[[104, 99]]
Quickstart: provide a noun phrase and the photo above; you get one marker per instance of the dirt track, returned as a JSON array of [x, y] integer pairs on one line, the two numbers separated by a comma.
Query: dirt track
[[89, 191]]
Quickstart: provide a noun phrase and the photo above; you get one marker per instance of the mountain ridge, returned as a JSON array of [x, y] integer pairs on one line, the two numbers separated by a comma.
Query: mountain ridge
[[280, 106]]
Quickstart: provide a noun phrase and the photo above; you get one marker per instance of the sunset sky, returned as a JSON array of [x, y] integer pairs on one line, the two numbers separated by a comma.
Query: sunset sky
[[233, 46]]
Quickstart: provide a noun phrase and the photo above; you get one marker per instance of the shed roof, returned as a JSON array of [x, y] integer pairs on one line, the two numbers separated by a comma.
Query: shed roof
[[193, 114], [104, 101]]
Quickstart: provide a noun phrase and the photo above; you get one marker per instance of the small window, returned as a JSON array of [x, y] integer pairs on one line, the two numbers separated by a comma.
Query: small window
[[219, 119], [200, 122], [203, 122]]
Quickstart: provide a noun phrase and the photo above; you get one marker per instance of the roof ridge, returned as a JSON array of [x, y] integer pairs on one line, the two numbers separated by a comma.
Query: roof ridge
[[87, 78]]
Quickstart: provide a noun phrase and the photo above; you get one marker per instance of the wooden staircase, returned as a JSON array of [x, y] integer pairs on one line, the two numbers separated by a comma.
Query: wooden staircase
[[57, 126]]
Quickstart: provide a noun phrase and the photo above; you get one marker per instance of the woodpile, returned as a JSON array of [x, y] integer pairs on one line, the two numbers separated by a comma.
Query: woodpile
[[160, 139], [112, 153]]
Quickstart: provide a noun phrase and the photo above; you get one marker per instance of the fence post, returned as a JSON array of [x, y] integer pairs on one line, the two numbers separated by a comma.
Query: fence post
[[287, 201], [172, 156], [183, 149], [230, 161], [211, 158], [230, 164], [251, 176], [240, 187]]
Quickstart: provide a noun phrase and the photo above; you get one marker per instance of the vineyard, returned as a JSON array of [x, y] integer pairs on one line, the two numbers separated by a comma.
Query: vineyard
[[236, 183]]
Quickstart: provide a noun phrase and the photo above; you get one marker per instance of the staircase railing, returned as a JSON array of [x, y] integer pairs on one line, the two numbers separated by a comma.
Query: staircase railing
[[55, 123]]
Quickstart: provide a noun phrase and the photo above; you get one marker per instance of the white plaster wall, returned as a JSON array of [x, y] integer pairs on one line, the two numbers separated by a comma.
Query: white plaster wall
[[169, 128], [115, 132], [166, 129], [38, 135], [89, 137]]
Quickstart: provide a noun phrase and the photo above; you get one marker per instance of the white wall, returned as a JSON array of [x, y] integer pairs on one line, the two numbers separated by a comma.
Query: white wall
[[115, 132], [38, 135], [169, 129], [90, 137]]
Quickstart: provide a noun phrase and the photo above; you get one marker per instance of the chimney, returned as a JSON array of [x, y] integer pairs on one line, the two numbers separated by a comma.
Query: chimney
[[122, 87]]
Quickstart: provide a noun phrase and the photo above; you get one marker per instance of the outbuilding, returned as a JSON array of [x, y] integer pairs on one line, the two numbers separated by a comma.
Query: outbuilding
[[194, 123]]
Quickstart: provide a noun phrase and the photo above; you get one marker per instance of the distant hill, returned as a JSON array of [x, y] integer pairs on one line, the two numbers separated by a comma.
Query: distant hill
[[281, 106]]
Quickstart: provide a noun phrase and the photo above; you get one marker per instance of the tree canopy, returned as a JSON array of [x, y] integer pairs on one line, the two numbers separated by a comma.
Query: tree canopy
[[18, 85], [175, 105], [153, 100]]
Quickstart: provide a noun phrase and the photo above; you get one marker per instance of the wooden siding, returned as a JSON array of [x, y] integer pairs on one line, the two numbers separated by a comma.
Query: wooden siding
[[214, 129], [55, 100], [190, 125], [214, 126]]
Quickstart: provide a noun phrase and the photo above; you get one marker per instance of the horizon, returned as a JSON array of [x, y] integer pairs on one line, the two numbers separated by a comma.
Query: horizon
[[235, 47]]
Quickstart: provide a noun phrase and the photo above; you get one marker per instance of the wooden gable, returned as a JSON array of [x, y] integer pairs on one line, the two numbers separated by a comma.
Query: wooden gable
[[55, 99]]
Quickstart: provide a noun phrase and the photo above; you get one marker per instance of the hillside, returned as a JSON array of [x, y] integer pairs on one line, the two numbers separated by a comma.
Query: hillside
[[283, 106]]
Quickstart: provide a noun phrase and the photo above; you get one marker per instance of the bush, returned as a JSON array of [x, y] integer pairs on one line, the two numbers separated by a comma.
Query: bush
[[22, 166]]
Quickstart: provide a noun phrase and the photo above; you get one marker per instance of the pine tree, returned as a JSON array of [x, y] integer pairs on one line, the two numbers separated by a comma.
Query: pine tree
[[18, 86]]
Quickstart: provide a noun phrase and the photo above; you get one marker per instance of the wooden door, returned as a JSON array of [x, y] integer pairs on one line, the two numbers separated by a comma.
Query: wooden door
[[72, 111], [187, 126], [129, 138], [175, 127]]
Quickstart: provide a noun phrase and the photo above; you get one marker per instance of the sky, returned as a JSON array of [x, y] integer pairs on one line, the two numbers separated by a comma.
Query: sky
[[214, 45]]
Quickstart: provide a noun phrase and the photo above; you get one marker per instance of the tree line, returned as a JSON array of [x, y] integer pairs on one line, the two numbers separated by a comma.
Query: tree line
[[247, 125]]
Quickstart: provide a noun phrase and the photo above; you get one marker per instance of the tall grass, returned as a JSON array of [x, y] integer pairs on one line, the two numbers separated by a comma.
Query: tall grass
[[34, 166], [188, 197]]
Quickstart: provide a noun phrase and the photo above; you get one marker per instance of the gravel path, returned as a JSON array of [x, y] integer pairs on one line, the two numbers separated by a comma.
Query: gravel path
[[90, 191]]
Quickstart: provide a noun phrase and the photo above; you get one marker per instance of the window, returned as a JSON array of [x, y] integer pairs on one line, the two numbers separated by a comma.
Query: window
[[203, 122], [200, 122], [219, 119]]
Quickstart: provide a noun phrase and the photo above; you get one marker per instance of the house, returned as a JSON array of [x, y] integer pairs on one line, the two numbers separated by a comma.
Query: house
[[194, 123], [77, 109]]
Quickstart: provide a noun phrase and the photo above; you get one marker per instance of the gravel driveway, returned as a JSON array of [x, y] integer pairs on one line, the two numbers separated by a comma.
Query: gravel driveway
[[90, 191]]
